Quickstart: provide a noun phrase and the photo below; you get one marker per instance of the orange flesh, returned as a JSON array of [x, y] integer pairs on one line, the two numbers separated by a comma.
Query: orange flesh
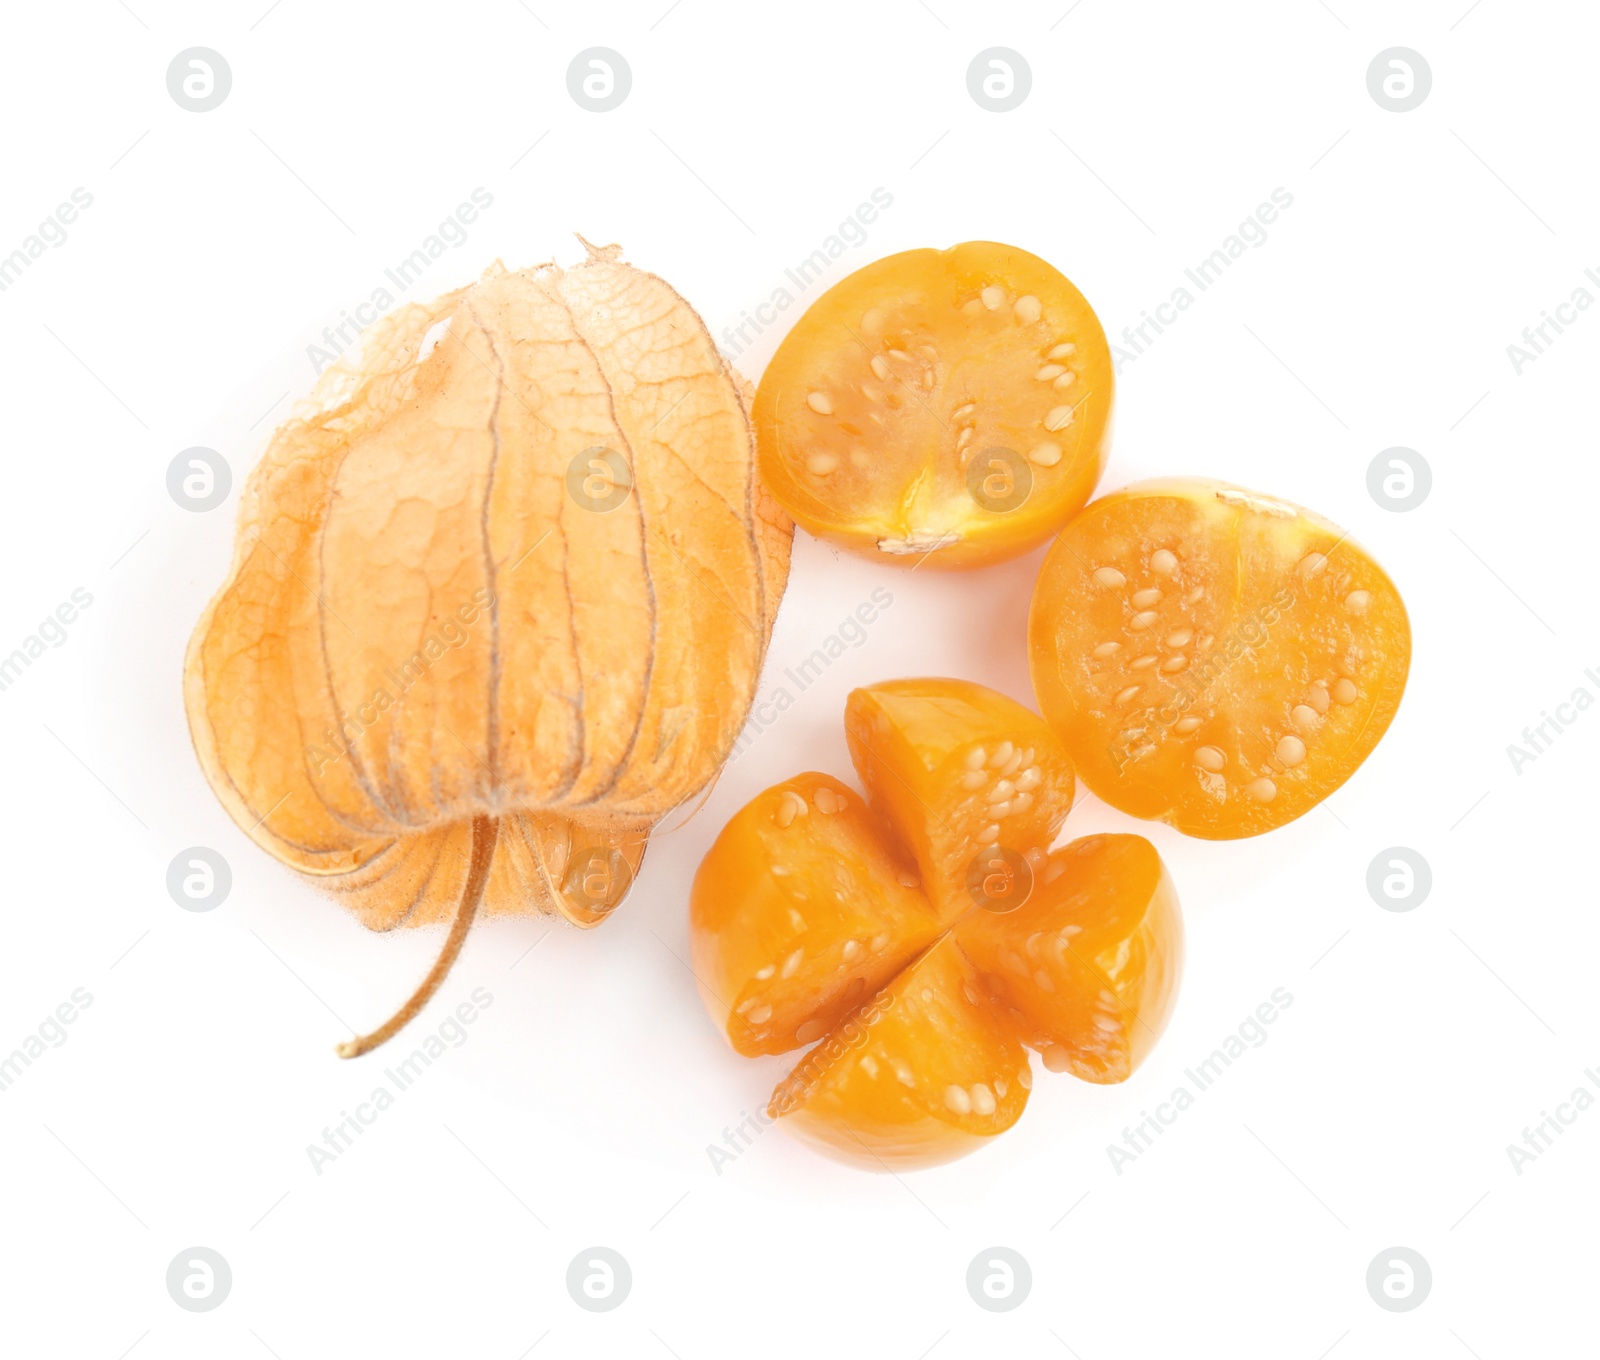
[[956, 768], [947, 406], [807, 924], [800, 913], [1213, 658], [923, 1074], [1087, 969]]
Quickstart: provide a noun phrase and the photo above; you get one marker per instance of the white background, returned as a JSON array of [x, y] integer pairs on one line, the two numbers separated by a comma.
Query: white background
[[1418, 1046]]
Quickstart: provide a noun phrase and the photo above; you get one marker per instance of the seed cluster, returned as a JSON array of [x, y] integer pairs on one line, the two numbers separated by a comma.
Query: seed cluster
[[1014, 779], [1108, 1039], [1153, 650], [898, 372], [1167, 652]]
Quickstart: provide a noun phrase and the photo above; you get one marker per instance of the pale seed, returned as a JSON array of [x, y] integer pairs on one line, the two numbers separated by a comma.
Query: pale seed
[[829, 801]]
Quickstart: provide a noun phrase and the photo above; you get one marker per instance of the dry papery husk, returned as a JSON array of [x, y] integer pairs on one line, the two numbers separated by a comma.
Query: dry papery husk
[[436, 682]]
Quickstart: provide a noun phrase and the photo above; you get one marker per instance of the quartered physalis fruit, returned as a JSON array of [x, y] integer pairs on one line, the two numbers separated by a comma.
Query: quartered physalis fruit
[[1213, 658], [1087, 968], [801, 912], [924, 987], [922, 1074], [955, 768], [939, 406]]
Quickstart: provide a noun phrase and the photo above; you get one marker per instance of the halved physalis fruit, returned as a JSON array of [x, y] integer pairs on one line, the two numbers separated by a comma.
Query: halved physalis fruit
[[1213, 658], [925, 985], [955, 768], [800, 912], [939, 406], [1087, 968], [922, 1074]]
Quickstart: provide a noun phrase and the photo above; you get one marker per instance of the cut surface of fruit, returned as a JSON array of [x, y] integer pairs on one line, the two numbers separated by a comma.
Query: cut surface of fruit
[[939, 406], [1087, 968], [813, 919], [1213, 658], [799, 913], [920, 1075], [955, 768]]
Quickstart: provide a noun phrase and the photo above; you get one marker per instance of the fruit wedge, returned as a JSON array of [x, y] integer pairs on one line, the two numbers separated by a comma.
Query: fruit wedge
[[1087, 968], [955, 769], [923, 1074], [801, 912]]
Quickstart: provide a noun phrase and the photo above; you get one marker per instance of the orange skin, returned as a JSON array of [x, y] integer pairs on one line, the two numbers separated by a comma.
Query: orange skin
[[1212, 658], [947, 407], [926, 955]]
